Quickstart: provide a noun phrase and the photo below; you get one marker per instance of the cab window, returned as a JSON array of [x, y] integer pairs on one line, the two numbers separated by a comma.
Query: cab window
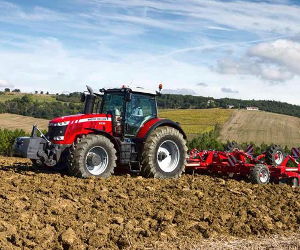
[[140, 109], [113, 103]]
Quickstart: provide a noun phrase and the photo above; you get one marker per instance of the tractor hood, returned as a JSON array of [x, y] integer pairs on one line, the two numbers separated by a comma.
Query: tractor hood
[[65, 120]]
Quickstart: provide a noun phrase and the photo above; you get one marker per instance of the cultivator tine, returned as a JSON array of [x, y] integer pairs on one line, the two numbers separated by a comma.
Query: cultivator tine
[[250, 150], [295, 153], [232, 160]]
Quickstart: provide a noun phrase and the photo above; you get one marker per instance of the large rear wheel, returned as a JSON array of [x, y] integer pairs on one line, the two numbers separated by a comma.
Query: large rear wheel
[[92, 155], [164, 154]]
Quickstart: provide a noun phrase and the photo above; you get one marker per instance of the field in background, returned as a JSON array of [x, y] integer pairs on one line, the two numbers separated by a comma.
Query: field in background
[[193, 121], [238, 125], [12, 121], [262, 127], [197, 121], [36, 97]]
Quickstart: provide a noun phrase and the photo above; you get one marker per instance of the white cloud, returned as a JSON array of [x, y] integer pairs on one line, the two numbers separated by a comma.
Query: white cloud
[[275, 61], [229, 91], [202, 84], [179, 91], [274, 73], [5, 84], [249, 66], [282, 52], [242, 15]]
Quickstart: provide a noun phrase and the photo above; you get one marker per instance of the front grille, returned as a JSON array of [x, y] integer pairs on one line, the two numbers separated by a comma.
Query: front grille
[[54, 131]]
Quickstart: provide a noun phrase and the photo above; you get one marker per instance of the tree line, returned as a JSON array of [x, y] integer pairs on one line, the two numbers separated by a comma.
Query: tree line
[[48, 110], [200, 102], [68, 104]]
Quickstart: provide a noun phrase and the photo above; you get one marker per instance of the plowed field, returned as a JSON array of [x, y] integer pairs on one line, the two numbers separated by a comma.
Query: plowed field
[[46, 210]]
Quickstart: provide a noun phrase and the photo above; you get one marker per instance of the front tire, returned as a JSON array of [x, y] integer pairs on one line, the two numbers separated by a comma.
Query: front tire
[[92, 155], [165, 154]]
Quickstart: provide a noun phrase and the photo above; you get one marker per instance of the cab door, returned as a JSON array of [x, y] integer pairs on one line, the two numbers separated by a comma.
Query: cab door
[[139, 109]]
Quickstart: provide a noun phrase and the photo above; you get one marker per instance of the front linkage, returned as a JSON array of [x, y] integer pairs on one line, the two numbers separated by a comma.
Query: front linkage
[[38, 148]]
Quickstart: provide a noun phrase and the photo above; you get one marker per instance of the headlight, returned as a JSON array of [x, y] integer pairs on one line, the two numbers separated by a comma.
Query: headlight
[[59, 124], [58, 138]]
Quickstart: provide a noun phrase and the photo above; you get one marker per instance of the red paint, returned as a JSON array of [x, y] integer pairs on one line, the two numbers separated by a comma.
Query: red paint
[[219, 162], [146, 127], [77, 126]]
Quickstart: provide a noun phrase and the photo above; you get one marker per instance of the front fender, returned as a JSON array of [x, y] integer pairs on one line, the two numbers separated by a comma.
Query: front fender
[[108, 135]]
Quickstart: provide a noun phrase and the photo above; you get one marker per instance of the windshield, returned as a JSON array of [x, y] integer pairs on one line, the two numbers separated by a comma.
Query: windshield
[[113, 103]]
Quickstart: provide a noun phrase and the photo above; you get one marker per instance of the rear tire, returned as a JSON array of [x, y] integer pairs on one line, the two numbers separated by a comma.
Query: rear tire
[[92, 155], [165, 154], [274, 155], [260, 174]]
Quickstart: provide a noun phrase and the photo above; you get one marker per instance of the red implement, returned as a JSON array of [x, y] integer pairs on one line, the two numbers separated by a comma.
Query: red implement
[[272, 165]]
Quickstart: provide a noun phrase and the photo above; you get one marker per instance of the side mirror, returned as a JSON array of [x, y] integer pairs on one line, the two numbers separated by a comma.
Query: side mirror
[[128, 97], [82, 97]]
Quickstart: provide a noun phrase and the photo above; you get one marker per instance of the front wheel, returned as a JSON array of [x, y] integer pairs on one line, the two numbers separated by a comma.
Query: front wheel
[[164, 154], [92, 155]]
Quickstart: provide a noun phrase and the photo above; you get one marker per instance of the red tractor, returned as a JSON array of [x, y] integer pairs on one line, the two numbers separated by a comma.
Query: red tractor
[[118, 128]]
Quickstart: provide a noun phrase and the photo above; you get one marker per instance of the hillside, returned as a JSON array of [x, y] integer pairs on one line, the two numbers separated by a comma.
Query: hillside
[[197, 121], [201, 120], [35, 97], [12, 121], [262, 127]]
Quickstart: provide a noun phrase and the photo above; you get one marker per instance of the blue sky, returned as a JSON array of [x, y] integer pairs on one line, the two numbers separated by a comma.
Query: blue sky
[[239, 49]]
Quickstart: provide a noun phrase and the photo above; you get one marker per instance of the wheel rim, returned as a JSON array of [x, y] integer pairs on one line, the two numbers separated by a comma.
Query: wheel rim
[[168, 156], [278, 157], [263, 176], [96, 160]]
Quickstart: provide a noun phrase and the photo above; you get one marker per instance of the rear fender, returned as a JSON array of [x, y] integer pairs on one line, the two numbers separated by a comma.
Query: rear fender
[[152, 124]]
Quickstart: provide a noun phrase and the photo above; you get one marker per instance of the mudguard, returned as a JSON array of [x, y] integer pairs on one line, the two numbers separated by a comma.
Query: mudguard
[[154, 123]]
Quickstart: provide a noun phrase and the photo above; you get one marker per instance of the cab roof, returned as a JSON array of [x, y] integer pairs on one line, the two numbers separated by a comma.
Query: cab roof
[[133, 90]]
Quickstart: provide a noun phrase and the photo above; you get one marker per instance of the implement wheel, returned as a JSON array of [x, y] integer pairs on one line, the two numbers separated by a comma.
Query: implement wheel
[[260, 174], [274, 155], [164, 154], [294, 182]]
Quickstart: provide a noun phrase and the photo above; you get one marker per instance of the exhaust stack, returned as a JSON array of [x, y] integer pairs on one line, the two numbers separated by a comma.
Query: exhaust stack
[[89, 101]]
